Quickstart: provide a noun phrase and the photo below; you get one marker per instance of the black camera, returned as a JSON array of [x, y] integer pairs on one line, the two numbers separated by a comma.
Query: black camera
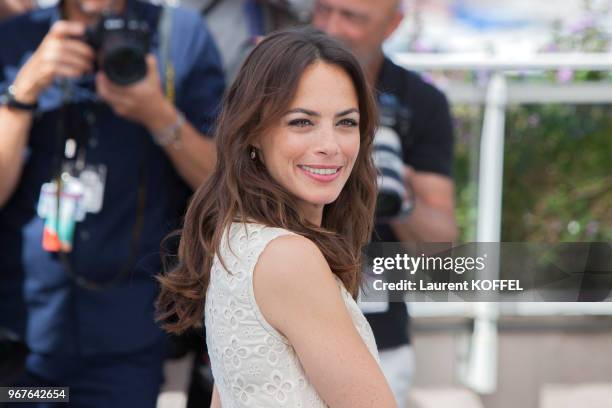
[[121, 45]]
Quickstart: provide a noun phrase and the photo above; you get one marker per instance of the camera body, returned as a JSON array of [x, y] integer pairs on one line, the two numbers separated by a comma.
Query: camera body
[[121, 45]]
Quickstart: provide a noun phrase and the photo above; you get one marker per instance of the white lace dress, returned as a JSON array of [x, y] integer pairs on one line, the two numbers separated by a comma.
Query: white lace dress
[[253, 364]]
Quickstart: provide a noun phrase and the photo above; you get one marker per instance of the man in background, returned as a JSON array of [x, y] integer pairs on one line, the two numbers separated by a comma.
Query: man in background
[[419, 115], [138, 149]]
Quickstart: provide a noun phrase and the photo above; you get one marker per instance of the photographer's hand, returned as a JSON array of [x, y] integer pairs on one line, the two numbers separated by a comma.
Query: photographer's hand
[[60, 54], [145, 103]]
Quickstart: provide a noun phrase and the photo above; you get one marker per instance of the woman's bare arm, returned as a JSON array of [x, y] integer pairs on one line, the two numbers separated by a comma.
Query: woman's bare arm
[[299, 296], [216, 400]]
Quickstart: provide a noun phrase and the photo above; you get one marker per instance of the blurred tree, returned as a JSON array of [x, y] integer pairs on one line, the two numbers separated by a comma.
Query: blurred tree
[[558, 158]]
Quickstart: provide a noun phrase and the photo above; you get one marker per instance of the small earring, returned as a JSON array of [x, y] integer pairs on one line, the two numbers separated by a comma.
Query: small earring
[[253, 154]]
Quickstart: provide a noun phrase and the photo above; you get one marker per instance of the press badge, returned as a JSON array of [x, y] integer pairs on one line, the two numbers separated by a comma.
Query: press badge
[[61, 211], [77, 197]]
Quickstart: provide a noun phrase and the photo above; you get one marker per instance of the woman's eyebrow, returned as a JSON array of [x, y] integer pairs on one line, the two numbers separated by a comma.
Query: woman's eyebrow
[[317, 114], [304, 111], [347, 112]]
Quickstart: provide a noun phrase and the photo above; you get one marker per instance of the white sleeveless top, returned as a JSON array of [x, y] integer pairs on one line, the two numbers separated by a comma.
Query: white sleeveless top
[[252, 363]]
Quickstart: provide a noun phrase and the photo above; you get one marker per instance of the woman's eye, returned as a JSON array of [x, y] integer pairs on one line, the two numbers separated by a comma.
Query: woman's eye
[[300, 122], [348, 122]]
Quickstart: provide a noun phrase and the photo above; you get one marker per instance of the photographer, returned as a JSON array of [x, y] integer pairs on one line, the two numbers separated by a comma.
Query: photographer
[[103, 138], [416, 128]]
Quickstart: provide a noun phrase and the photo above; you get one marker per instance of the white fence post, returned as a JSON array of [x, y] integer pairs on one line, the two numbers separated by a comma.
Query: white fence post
[[481, 371]]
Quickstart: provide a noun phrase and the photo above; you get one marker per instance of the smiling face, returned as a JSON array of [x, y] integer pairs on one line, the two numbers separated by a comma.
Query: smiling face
[[311, 151]]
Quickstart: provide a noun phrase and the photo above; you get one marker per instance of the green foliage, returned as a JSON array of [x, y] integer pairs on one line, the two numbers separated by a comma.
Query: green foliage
[[557, 173]]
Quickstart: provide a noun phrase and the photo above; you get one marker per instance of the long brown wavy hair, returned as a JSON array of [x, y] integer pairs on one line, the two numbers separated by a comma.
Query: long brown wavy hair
[[241, 189]]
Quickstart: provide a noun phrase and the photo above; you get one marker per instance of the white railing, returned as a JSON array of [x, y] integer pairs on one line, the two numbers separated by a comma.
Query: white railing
[[480, 370], [478, 61]]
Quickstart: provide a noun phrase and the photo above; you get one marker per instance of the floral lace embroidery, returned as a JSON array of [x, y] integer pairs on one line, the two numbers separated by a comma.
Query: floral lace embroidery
[[253, 364]]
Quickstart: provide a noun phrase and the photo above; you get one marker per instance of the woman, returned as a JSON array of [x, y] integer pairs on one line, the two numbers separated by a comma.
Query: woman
[[270, 250]]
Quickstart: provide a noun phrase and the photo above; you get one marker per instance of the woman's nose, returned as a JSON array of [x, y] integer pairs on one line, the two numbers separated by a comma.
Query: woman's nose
[[328, 142]]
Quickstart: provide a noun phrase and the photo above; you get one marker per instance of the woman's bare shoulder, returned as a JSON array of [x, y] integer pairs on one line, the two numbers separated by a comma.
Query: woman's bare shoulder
[[290, 275], [285, 258]]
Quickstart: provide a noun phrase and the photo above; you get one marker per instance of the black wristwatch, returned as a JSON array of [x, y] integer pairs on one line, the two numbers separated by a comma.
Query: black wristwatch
[[9, 100]]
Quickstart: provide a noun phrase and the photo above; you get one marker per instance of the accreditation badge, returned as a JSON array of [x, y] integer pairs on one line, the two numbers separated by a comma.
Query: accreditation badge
[[65, 201], [61, 206]]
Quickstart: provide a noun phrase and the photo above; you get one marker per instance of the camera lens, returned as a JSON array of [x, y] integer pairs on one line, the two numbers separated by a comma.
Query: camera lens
[[387, 156], [125, 65], [122, 45]]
